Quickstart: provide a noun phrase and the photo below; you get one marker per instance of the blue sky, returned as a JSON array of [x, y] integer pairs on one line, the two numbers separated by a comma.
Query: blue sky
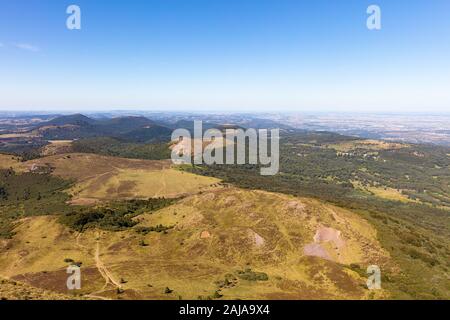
[[233, 55]]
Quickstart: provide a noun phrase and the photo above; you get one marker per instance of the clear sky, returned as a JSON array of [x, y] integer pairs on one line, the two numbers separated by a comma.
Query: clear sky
[[225, 55]]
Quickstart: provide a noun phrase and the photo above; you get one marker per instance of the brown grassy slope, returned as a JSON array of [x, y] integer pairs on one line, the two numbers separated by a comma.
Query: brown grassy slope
[[8, 161], [13, 290], [57, 147], [102, 178], [82, 166]]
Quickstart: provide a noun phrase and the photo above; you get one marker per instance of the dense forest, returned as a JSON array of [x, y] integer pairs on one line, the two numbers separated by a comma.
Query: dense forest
[[118, 148], [29, 194]]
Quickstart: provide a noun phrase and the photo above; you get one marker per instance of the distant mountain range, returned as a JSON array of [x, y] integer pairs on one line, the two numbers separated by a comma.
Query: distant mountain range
[[129, 128], [136, 129]]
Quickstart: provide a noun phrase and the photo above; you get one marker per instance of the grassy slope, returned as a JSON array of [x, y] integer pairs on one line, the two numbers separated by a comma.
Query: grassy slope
[[138, 184], [417, 246], [8, 161], [108, 178], [29, 194], [214, 236], [13, 290]]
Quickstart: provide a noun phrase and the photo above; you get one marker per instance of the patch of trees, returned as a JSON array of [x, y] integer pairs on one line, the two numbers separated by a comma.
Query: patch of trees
[[25, 148], [115, 216], [250, 275], [29, 194], [118, 148]]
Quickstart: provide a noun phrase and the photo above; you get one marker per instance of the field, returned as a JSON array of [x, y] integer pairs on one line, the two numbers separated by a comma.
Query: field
[[82, 166], [383, 192], [140, 184], [8, 161], [56, 147], [102, 178], [366, 145]]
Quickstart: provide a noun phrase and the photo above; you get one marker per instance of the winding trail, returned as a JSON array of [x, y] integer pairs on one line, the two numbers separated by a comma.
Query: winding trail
[[104, 272]]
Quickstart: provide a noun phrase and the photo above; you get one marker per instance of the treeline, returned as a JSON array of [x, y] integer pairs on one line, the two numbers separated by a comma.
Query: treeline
[[29, 194], [118, 148], [114, 216], [419, 171], [26, 149]]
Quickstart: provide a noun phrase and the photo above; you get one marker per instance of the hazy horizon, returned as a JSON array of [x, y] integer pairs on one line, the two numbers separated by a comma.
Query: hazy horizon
[[216, 112], [226, 56]]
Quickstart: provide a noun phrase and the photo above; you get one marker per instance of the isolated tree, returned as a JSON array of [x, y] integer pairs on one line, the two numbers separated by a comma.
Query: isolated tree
[[167, 290]]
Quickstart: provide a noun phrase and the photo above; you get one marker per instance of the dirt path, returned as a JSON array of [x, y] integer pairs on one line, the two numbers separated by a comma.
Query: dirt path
[[106, 274], [96, 297], [78, 241]]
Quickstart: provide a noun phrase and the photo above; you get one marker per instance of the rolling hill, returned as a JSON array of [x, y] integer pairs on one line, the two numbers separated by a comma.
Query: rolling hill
[[147, 229], [134, 129], [228, 243]]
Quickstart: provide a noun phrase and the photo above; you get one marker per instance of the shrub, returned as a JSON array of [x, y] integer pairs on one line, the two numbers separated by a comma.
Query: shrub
[[167, 290], [250, 275]]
